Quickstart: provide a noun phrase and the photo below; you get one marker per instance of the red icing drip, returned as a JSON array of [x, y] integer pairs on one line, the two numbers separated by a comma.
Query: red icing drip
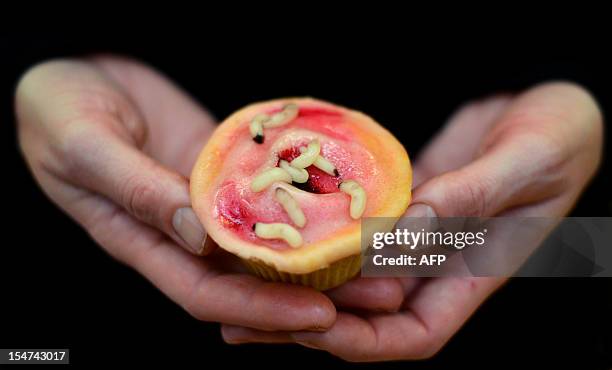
[[309, 112], [313, 111], [234, 212]]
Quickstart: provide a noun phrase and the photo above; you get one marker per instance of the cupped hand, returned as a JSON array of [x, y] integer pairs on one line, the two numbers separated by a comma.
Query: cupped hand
[[529, 155], [112, 143]]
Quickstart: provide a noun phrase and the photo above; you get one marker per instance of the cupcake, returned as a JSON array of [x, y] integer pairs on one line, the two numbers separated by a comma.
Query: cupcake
[[284, 185]]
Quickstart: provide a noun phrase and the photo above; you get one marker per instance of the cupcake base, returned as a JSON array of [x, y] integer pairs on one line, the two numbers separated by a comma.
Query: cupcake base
[[330, 277]]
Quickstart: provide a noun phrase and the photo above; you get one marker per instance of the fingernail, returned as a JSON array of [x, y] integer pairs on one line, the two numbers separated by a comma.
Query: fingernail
[[304, 338], [317, 328], [230, 334], [236, 340], [189, 228], [420, 210], [419, 216]]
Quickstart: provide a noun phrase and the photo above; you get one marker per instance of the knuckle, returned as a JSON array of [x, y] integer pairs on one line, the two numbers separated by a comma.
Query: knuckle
[[75, 149], [71, 141], [49, 105], [593, 123], [538, 133], [140, 195], [27, 94], [551, 151], [573, 123], [463, 197], [578, 94], [31, 80], [45, 79]]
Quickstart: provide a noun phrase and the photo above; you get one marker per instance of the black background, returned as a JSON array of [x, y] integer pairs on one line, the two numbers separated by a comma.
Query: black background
[[59, 290]]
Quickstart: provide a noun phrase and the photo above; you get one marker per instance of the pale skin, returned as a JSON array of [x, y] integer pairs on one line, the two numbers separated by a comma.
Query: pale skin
[[112, 143]]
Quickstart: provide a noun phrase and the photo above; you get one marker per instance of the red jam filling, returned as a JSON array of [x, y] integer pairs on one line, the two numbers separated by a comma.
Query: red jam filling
[[319, 182]]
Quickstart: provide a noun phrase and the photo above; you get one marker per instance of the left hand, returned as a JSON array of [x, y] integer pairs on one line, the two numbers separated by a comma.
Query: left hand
[[111, 141], [531, 155]]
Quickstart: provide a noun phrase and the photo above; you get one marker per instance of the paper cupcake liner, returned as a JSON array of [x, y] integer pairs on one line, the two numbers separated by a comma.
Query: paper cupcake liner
[[336, 274]]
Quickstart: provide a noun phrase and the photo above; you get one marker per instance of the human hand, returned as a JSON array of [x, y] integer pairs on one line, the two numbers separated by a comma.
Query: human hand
[[529, 155], [112, 143]]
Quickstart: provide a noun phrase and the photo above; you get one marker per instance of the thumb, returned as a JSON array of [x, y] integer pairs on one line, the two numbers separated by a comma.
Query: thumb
[[511, 175], [150, 192]]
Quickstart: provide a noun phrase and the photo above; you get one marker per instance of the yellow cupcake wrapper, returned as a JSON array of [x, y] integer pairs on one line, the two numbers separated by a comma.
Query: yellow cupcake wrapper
[[336, 274]]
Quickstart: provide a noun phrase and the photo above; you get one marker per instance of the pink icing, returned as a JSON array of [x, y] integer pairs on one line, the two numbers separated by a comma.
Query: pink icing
[[238, 208]]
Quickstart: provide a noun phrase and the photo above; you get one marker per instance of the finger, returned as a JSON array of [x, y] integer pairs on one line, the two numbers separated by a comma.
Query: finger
[[435, 314], [94, 133], [373, 294], [178, 126], [194, 283], [379, 295], [538, 149], [147, 190], [232, 334]]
